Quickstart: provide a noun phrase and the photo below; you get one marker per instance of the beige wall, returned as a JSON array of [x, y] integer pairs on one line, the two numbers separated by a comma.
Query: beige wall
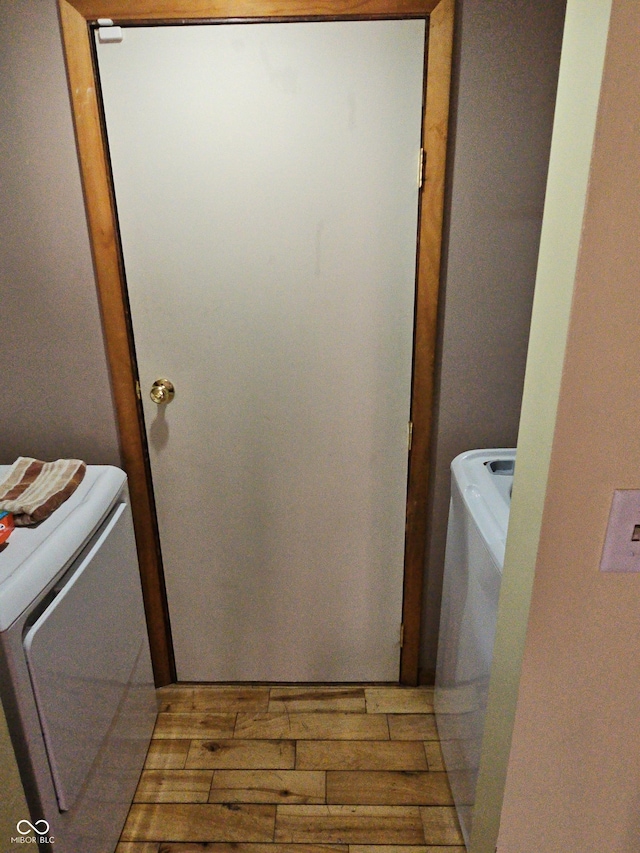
[[573, 780], [505, 76], [55, 391], [579, 82]]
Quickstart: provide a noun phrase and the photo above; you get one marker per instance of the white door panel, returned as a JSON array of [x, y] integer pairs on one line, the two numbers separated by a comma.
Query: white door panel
[[265, 179]]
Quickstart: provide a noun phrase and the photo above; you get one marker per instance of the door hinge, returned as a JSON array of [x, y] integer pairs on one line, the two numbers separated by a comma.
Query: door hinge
[[422, 163], [138, 391], [409, 435], [401, 634]]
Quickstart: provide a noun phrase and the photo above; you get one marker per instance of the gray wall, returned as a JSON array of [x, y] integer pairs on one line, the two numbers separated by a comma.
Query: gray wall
[[56, 399], [505, 77]]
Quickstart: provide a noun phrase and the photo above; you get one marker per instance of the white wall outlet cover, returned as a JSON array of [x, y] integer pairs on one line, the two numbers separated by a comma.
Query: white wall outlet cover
[[621, 552]]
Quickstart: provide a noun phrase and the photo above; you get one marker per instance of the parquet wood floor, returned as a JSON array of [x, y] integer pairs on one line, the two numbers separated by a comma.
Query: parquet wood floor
[[293, 770]]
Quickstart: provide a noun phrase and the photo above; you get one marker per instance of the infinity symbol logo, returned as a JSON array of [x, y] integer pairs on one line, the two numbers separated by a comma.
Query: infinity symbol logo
[[33, 827]]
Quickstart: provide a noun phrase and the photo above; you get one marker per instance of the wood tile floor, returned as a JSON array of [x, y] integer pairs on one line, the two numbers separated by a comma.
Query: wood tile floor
[[293, 770]]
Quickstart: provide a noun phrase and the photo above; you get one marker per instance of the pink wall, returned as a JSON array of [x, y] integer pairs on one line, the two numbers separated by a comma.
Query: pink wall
[[574, 776]]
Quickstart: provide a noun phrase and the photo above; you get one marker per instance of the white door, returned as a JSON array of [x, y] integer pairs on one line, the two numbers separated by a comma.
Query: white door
[[266, 188]]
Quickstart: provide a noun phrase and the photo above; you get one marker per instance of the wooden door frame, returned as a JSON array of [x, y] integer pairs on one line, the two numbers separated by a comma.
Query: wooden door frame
[[76, 19]]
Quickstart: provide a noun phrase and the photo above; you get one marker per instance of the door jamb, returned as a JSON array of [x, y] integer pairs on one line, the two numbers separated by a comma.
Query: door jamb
[[76, 18]]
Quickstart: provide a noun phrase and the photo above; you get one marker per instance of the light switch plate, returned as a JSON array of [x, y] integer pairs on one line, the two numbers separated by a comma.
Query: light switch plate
[[621, 551]]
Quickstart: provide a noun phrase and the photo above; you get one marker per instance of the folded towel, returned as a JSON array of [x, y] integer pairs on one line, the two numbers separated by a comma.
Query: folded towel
[[32, 490]]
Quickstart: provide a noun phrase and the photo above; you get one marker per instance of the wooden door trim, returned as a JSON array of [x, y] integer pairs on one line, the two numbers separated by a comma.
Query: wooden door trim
[[149, 11], [76, 16], [434, 142]]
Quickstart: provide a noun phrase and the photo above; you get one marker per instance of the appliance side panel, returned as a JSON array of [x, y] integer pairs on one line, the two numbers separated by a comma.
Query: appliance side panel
[[467, 633], [91, 674]]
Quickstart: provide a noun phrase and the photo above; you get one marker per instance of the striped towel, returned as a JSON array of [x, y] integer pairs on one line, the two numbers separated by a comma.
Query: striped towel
[[32, 490]]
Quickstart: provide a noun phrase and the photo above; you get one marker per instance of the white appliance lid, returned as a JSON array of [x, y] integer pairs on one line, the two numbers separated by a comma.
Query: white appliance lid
[[33, 556], [488, 505]]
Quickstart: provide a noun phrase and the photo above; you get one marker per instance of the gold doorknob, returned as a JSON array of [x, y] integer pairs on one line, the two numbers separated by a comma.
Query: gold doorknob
[[162, 392]]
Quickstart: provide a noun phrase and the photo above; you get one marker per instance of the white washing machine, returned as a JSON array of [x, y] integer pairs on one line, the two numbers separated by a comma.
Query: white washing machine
[[75, 671], [481, 482]]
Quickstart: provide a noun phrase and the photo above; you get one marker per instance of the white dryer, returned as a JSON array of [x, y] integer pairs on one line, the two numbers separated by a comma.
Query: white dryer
[[75, 671]]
